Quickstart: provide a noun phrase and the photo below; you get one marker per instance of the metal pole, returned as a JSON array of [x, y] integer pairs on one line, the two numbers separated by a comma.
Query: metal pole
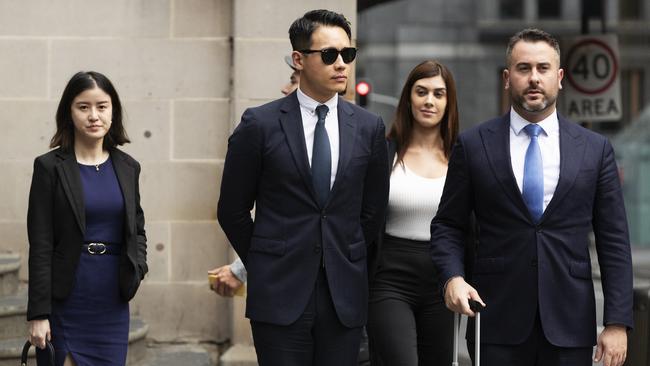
[[477, 345], [456, 326]]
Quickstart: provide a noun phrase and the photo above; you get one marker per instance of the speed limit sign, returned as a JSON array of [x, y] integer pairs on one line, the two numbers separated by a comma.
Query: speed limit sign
[[591, 69]]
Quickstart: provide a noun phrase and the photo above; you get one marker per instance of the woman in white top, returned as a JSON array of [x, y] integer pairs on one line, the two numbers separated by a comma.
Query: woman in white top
[[408, 323]]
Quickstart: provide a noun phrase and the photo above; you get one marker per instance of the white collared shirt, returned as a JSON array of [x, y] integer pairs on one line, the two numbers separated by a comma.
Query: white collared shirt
[[549, 145], [309, 120]]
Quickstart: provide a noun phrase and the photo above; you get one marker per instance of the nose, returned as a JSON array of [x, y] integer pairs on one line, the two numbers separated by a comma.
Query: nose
[[428, 101], [339, 64], [94, 115], [534, 77]]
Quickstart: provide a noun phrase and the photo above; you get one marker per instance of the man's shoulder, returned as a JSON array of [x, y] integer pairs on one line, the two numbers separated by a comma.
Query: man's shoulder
[[489, 125], [575, 129]]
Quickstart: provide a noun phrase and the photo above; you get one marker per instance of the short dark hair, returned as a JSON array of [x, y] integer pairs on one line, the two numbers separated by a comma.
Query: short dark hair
[[302, 28], [531, 35], [80, 82], [401, 131]]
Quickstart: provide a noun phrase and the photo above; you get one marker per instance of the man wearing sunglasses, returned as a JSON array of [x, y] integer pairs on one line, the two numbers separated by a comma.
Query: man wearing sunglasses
[[315, 167]]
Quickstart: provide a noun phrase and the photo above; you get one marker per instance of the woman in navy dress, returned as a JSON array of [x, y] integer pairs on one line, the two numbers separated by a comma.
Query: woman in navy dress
[[88, 249]]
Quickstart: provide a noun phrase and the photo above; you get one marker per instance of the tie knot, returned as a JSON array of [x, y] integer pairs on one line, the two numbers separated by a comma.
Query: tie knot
[[533, 130], [321, 112]]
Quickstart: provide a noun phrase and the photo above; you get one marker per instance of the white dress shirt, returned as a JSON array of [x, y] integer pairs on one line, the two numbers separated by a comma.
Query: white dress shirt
[[549, 145], [309, 120]]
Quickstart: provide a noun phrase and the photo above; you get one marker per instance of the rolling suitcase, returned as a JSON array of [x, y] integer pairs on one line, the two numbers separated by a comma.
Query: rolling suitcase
[[476, 308]]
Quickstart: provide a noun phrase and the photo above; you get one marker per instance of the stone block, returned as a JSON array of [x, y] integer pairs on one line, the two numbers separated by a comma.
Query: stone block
[[158, 250], [28, 126], [14, 240], [201, 129], [253, 81], [90, 18], [24, 66], [239, 355], [148, 126], [14, 190], [180, 190], [272, 19], [202, 18], [182, 311], [148, 68], [196, 247]]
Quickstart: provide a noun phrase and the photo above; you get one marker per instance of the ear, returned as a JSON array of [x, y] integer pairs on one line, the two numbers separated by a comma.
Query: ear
[[506, 79], [560, 76], [297, 58]]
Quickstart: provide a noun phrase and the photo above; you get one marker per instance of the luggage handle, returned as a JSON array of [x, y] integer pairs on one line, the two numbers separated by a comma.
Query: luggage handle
[[28, 345], [476, 307]]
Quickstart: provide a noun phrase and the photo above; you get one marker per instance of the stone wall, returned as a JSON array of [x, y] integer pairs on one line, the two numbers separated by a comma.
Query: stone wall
[[185, 70]]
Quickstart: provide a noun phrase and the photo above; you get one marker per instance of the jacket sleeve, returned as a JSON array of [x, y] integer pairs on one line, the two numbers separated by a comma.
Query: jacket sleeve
[[40, 232], [613, 243], [239, 182], [450, 226], [139, 222], [375, 191]]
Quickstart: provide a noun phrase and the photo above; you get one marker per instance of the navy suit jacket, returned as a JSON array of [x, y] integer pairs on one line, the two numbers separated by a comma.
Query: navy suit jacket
[[267, 166], [522, 268]]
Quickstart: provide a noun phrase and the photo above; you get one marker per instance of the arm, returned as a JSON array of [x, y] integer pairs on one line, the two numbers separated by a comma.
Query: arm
[[241, 172], [449, 232], [40, 232], [613, 248], [139, 221], [375, 191]]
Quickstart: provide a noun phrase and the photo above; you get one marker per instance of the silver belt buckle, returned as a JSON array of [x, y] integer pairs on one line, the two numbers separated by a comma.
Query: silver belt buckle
[[96, 248]]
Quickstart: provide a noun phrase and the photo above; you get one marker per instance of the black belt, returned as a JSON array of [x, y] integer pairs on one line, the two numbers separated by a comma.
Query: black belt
[[101, 249]]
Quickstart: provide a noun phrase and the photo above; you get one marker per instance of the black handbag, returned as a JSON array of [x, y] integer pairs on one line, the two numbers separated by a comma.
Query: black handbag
[[48, 347]]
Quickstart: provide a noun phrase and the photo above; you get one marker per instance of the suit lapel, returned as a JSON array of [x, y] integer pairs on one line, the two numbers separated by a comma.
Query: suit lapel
[[291, 123], [68, 172], [572, 150], [496, 139], [347, 136], [126, 177]]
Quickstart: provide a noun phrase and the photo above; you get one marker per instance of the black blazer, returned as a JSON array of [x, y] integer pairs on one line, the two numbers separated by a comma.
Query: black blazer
[[282, 248], [56, 224]]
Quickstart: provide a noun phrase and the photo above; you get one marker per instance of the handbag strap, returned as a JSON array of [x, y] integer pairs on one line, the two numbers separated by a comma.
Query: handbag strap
[[48, 346]]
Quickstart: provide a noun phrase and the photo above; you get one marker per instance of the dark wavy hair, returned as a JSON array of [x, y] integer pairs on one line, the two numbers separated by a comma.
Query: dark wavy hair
[[302, 28], [80, 82], [401, 131]]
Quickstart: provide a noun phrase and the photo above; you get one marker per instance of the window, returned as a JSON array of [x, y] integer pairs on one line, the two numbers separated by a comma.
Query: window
[[511, 9], [548, 9], [630, 9]]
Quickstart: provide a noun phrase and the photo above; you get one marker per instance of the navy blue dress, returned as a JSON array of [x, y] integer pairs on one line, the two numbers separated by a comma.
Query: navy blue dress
[[92, 324]]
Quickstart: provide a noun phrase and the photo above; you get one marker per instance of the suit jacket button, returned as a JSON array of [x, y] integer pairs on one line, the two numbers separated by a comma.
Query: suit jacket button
[[533, 262], [317, 250]]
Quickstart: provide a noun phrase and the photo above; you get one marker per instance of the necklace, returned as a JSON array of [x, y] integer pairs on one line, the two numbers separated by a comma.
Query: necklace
[[97, 167]]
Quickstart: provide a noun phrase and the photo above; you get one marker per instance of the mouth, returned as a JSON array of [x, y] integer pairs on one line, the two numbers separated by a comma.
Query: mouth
[[534, 93], [340, 78], [427, 112]]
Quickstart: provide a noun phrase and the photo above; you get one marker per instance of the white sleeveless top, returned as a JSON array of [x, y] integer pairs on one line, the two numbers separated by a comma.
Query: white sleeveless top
[[412, 203]]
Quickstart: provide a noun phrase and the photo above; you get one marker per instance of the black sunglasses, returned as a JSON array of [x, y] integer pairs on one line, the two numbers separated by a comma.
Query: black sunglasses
[[329, 55]]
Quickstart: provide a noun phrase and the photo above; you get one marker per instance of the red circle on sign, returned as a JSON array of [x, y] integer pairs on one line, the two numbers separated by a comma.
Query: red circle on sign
[[611, 54]]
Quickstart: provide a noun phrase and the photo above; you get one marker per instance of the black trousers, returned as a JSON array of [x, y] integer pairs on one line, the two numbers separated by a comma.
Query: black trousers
[[535, 351], [317, 338], [408, 323]]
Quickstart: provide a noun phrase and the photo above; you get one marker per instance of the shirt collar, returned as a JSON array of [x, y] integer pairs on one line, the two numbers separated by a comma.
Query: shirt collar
[[549, 125], [309, 104]]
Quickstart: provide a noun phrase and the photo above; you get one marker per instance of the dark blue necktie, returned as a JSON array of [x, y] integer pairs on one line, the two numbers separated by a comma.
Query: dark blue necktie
[[321, 157], [533, 187]]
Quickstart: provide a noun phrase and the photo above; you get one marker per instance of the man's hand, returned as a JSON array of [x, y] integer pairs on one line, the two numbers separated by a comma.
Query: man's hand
[[612, 346], [457, 296], [39, 331], [226, 283]]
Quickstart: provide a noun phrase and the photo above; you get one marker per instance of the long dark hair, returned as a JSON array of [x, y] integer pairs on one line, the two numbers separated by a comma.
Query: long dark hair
[[80, 82], [401, 130]]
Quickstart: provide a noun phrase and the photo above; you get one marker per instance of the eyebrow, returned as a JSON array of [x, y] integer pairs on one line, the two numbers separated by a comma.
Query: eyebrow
[[425, 88]]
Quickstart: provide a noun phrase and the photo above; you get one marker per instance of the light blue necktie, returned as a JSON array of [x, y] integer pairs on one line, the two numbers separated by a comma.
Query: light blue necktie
[[321, 157], [533, 187]]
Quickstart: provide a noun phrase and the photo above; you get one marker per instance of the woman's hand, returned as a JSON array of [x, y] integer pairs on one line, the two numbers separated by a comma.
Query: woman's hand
[[39, 332]]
